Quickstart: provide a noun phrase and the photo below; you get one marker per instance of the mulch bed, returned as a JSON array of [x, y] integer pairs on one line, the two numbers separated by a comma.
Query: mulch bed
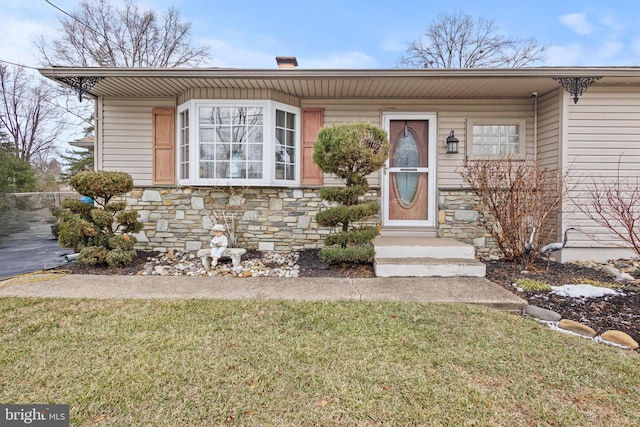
[[603, 313], [610, 312]]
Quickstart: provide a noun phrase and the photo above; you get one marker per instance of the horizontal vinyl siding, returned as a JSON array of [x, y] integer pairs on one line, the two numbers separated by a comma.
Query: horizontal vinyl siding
[[603, 140], [548, 151], [127, 139], [549, 131], [451, 114]]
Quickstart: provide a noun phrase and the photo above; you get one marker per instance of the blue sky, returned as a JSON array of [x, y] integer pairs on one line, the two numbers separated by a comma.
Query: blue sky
[[355, 33]]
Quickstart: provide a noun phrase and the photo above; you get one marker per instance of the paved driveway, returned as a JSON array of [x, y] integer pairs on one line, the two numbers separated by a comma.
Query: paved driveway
[[31, 249]]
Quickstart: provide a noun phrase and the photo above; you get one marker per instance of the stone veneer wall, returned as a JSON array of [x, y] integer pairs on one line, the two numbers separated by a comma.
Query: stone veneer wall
[[460, 216], [267, 219]]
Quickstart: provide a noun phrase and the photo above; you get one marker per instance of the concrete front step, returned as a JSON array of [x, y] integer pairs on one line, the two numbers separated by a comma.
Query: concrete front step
[[428, 267], [421, 247]]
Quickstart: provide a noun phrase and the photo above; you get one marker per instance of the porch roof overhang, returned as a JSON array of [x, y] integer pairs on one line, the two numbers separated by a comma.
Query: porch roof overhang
[[338, 83]]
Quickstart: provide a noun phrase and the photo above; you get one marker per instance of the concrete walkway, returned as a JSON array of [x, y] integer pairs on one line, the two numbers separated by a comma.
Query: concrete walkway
[[439, 289]]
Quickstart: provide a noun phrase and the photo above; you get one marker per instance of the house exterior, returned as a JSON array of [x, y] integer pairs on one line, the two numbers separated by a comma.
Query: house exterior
[[200, 142]]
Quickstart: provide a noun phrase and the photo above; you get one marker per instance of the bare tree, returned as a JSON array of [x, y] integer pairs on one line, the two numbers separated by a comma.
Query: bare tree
[[457, 41], [29, 124], [614, 204], [98, 34], [518, 197]]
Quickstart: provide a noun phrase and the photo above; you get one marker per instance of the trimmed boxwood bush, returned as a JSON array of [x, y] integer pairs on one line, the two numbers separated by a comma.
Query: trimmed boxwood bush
[[351, 152], [100, 232]]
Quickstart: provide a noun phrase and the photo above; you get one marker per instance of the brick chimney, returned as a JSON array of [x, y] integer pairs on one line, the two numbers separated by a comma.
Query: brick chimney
[[286, 62]]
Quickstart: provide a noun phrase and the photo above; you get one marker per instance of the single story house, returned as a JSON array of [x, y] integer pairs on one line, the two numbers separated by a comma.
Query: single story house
[[200, 142]]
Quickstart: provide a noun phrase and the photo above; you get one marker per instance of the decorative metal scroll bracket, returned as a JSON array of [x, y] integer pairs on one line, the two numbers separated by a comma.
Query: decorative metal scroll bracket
[[81, 85], [576, 85]]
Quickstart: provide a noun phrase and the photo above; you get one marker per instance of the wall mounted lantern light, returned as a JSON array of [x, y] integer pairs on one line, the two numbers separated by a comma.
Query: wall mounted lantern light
[[452, 144]]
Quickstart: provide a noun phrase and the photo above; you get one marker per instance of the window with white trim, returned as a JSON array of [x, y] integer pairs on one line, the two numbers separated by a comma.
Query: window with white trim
[[183, 129], [238, 143], [488, 139]]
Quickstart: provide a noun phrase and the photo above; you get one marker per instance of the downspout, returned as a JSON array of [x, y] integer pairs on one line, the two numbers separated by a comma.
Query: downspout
[[534, 96], [97, 142]]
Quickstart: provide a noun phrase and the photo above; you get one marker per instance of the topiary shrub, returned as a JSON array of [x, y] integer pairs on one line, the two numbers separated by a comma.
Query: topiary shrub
[[100, 232], [351, 152]]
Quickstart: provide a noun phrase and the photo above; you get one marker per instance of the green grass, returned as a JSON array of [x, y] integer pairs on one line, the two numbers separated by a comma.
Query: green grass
[[533, 285], [209, 363]]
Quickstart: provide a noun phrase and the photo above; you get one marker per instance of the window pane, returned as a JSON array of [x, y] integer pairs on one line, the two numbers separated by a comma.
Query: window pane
[[238, 152], [222, 170], [254, 152], [255, 170], [291, 142], [281, 154], [207, 151], [206, 170], [291, 124], [237, 169], [254, 134], [206, 116], [207, 135], [280, 137], [223, 151], [239, 134], [223, 115], [290, 172], [223, 134], [239, 116], [254, 116], [291, 154], [280, 118]]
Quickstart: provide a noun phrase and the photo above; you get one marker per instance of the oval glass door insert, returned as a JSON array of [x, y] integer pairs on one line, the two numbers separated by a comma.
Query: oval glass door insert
[[406, 156]]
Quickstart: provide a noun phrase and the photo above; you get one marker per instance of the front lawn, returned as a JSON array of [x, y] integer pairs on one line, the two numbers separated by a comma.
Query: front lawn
[[204, 363]]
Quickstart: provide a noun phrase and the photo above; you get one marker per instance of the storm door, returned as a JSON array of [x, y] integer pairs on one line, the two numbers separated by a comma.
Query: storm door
[[409, 179]]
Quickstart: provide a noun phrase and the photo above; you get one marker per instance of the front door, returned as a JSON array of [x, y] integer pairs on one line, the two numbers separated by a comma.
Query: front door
[[409, 179]]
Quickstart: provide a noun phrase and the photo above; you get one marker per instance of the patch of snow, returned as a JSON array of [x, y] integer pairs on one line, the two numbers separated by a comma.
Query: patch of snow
[[583, 291], [554, 326]]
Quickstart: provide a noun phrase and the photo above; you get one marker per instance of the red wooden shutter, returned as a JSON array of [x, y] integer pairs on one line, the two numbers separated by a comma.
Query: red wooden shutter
[[312, 122], [164, 135]]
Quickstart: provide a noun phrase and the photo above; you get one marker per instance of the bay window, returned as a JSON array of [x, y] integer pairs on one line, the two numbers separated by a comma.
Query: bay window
[[238, 143]]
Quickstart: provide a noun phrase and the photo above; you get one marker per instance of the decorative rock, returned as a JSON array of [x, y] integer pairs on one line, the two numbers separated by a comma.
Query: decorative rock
[[542, 313], [577, 328], [626, 277], [620, 338], [198, 263], [611, 270]]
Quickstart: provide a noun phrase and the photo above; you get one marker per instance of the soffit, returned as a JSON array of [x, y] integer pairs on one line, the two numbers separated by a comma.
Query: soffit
[[396, 83]]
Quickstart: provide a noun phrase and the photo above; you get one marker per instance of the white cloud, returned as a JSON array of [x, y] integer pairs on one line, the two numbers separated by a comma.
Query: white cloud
[[336, 60], [18, 36], [561, 56], [224, 55], [577, 22]]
